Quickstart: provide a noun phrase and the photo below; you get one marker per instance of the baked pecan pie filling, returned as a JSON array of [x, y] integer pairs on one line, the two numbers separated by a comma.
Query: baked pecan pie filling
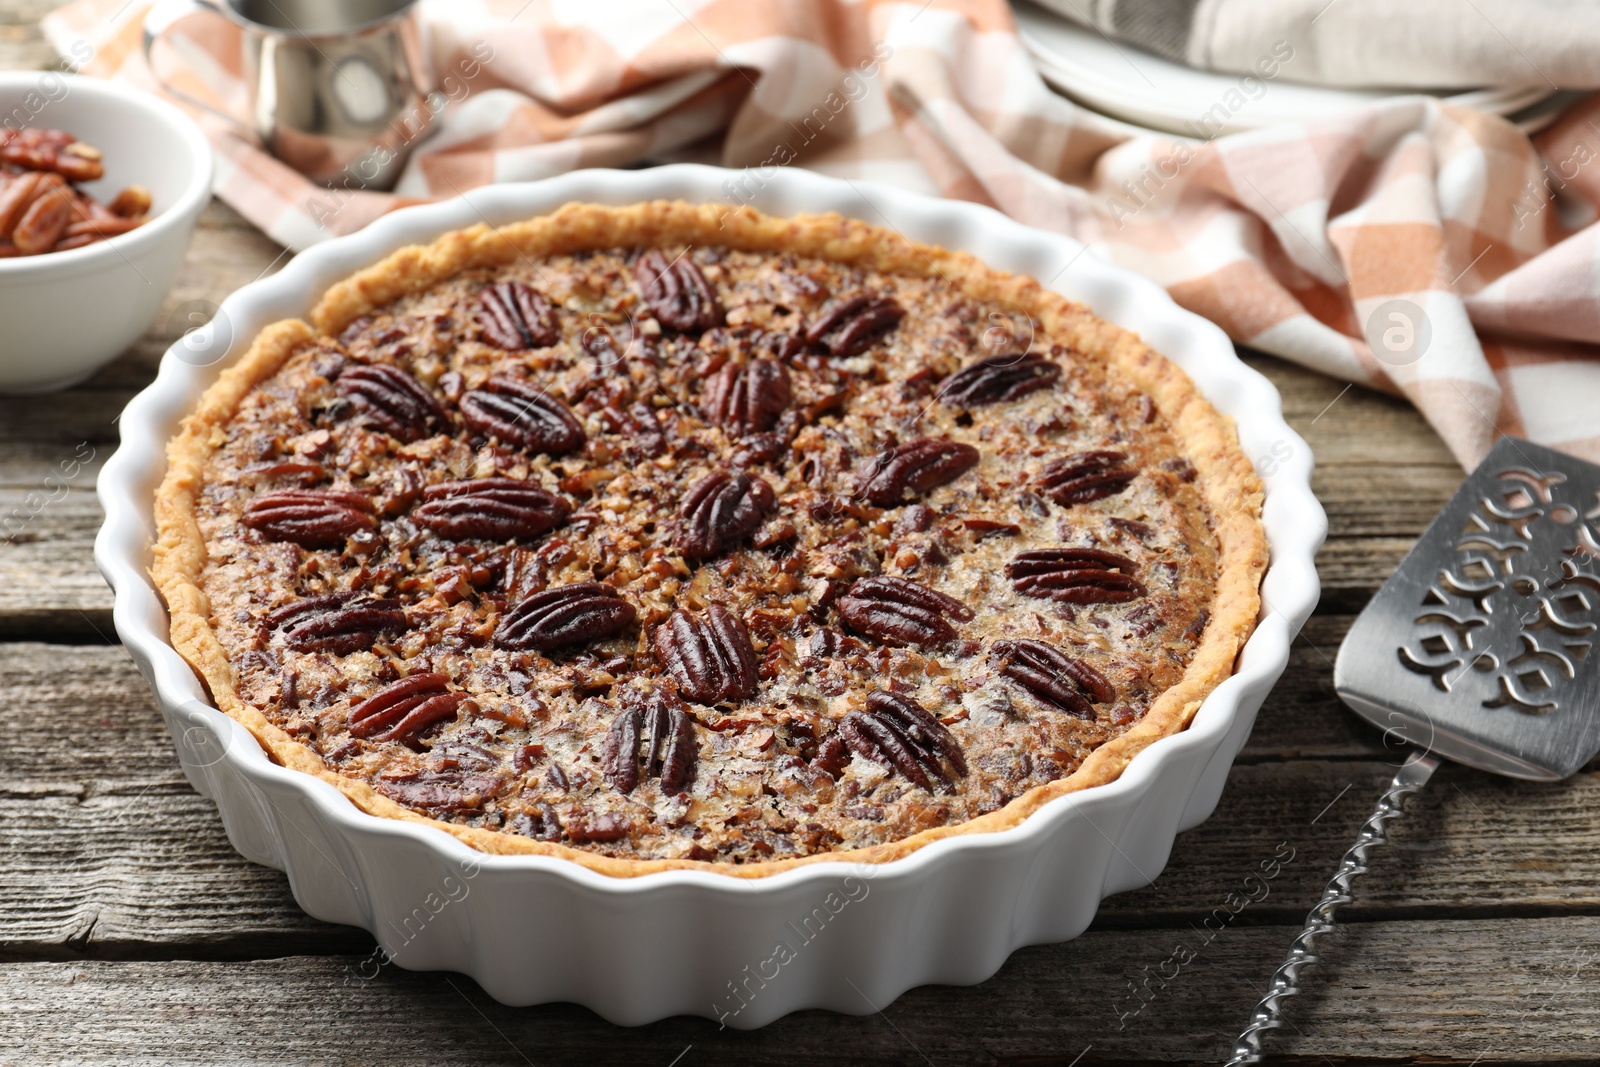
[[695, 553]]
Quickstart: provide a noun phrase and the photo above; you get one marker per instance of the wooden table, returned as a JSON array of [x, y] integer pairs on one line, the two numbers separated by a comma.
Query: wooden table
[[130, 929]]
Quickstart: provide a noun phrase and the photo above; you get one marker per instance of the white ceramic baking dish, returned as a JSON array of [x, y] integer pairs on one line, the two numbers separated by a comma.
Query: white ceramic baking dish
[[847, 937]]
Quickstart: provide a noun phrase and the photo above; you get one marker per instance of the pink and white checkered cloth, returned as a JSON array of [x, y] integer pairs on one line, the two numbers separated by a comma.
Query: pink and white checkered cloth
[[1414, 247]]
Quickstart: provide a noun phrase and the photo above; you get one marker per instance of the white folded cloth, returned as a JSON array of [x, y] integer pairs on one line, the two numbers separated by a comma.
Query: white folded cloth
[[1436, 44]]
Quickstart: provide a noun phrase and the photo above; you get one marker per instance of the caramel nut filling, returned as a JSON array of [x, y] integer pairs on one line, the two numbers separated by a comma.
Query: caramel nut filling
[[705, 554]]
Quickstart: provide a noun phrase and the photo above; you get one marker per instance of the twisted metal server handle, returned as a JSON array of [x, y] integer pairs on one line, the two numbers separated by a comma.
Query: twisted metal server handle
[[1412, 776]]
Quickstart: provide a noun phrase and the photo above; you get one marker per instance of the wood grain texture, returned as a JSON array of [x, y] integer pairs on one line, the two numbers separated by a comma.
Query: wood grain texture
[[131, 931], [1390, 993], [85, 712], [112, 870], [110, 854], [48, 584], [22, 47]]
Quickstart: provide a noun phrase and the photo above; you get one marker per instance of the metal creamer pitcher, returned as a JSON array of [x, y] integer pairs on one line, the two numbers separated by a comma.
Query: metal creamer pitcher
[[336, 89]]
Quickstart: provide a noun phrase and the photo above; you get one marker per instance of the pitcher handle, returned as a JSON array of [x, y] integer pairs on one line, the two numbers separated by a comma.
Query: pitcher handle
[[158, 21]]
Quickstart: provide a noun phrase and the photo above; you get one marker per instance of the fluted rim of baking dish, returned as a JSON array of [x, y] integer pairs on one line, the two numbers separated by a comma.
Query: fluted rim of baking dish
[[1293, 519]]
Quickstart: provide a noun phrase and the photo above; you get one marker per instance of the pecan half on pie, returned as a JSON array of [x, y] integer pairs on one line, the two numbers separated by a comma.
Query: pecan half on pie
[[669, 535]]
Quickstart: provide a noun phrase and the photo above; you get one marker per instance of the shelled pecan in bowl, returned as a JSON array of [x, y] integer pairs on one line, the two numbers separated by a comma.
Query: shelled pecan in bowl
[[42, 210]]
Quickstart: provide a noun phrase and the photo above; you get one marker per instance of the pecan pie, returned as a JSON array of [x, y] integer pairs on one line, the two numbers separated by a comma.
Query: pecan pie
[[669, 536]]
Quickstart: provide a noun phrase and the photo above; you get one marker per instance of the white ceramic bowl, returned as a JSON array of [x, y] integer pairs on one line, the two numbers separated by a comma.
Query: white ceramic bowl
[[67, 314], [532, 929]]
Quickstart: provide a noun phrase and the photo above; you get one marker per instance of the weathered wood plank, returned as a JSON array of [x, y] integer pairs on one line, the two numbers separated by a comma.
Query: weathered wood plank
[[49, 587], [106, 849], [103, 871], [1351, 569], [75, 720], [1387, 993], [1408, 500], [1302, 718], [110, 854], [87, 720], [59, 422], [22, 47], [141, 874], [47, 538], [47, 533]]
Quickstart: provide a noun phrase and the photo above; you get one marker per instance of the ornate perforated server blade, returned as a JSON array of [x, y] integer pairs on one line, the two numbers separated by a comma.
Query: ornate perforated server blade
[[1480, 648], [1482, 645]]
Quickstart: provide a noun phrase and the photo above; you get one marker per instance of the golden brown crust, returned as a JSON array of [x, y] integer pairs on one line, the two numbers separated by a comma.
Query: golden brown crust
[[1228, 483]]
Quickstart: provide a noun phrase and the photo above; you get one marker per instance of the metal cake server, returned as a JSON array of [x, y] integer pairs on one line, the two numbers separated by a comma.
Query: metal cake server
[[1480, 648]]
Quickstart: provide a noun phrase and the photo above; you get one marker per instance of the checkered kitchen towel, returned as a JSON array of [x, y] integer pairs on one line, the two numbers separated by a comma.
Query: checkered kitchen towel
[[1413, 246]]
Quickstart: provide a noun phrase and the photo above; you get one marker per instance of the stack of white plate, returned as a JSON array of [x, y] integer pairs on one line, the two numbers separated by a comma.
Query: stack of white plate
[[1148, 93]]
